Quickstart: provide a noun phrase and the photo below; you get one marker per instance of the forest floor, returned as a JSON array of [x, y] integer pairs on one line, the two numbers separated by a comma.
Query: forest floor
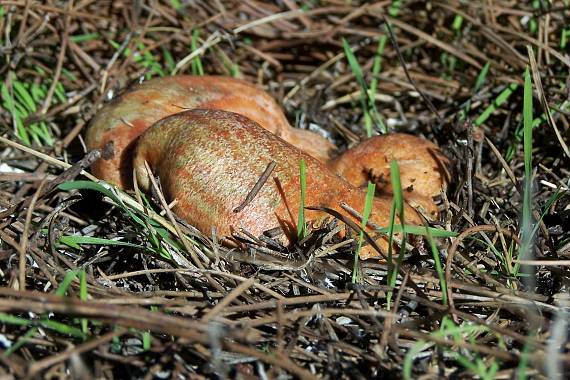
[[92, 286]]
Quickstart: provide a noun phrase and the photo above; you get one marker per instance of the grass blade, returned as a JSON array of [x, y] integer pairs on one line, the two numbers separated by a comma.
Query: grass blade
[[77, 241], [501, 98], [197, 68], [526, 225], [368, 202], [377, 66], [481, 78], [438, 267], [367, 103], [301, 223], [398, 206], [417, 230]]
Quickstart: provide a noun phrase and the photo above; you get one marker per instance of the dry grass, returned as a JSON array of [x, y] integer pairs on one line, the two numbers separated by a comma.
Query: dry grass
[[146, 304]]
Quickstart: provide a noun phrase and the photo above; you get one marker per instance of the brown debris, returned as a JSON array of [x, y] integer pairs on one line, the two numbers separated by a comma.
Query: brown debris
[[163, 305]]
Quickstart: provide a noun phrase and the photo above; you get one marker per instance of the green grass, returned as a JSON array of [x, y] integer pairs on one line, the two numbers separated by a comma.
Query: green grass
[[476, 88], [76, 242], [25, 98], [301, 222], [153, 232], [417, 230], [377, 66], [176, 4], [158, 238], [78, 38], [438, 267], [196, 64], [457, 23], [368, 202], [83, 295], [505, 259], [450, 62], [563, 107], [367, 102], [527, 223], [146, 335], [230, 66], [523, 363], [472, 361], [45, 322], [394, 9], [397, 209], [500, 100], [555, 197], [533, 23], [21, 340], [144, 58], [564, 36], [393, 228], [66, 329], [168, 60], [481, 78]]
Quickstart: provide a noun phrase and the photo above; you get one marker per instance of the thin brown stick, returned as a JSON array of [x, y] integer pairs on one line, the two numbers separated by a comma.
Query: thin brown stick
[[24, 241], [410, 79], [543, 101], [453, 249], [228, 299], [52, 360], [60, 58], [258, 185]]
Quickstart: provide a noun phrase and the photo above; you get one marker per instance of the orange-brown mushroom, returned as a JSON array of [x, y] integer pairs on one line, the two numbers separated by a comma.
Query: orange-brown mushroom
[[127, 117], [209, 158], [421, 163]]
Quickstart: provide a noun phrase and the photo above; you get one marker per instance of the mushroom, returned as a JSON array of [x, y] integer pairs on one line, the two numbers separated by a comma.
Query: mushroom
[[208, 160], [209, 139], [123, 120], [422, 168]]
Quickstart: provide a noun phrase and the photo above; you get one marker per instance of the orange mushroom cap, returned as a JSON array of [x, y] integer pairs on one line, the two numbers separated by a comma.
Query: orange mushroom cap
[[421, 163], [210, 157], [127, 117]]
